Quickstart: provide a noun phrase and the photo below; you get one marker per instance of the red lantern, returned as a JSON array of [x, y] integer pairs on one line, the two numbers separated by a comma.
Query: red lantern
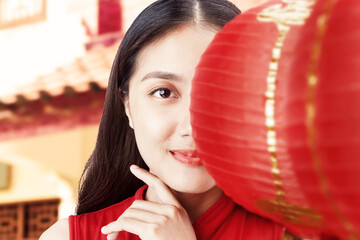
[[323, 114], [236, 94], [245, 111]]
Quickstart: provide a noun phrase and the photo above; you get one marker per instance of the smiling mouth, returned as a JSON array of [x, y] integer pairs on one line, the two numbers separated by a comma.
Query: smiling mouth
[[187, 157]]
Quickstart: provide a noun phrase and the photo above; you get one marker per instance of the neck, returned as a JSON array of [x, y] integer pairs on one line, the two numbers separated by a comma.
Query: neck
[[195, 204], [198, 204]]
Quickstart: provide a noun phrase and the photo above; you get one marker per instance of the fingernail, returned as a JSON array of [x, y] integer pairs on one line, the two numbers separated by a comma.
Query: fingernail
[[134, 167], [102, 230]]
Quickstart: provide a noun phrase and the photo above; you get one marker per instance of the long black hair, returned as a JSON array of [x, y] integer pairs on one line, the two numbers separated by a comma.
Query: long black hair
[[107, 179]]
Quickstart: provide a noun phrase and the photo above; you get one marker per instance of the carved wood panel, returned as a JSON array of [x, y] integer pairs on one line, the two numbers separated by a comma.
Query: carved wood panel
[[27, 220]]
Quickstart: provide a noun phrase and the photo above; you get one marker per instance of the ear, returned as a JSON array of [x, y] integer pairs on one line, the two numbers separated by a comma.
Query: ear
[[128, 112]]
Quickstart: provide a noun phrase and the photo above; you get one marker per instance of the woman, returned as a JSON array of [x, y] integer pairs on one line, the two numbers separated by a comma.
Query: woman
[[146, 123]]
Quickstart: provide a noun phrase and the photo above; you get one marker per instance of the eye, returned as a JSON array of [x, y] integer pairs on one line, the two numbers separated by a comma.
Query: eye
[[163, 93]]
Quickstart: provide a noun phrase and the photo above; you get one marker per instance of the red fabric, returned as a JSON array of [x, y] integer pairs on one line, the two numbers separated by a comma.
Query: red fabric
[[224, 220]]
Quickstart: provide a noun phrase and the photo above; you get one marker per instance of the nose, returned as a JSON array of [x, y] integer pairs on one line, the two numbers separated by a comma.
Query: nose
[[184, 126]]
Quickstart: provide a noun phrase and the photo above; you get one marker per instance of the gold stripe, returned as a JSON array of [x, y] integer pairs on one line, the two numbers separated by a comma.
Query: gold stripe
[[294, 13], [312, 80]]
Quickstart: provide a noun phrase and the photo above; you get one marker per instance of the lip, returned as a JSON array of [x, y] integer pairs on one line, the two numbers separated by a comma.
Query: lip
[[187, 157]]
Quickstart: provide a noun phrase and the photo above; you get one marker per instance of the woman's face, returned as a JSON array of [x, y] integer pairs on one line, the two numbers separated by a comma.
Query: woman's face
[[158, 108]]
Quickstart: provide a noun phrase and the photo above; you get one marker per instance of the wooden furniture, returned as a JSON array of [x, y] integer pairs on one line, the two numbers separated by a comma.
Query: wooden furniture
[[27, 220]]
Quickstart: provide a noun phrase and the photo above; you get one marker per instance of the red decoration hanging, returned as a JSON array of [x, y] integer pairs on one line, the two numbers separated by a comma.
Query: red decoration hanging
[[247, 110], [110, 16]]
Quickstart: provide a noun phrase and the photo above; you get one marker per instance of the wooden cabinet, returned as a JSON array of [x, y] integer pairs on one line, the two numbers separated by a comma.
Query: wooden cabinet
[[27, 220]]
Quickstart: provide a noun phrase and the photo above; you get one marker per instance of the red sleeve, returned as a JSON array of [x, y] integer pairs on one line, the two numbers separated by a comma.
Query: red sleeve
[[73, 227], [88, 226]]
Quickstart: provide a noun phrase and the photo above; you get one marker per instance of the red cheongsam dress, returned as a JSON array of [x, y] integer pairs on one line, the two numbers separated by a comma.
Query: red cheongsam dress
[[224, 220]]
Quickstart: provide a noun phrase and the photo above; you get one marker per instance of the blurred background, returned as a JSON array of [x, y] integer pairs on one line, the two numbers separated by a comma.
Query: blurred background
[[55, 60]]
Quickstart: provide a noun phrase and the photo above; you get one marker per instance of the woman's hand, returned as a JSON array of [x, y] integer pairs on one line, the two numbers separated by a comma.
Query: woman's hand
[[150, 220]]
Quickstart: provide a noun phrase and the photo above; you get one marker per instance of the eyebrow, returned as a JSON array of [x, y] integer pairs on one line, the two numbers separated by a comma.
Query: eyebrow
[[162, 75]]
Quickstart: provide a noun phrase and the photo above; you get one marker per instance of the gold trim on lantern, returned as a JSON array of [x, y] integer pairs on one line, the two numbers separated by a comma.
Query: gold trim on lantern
[[289, 236], [290, 212], [312, 80], [294, 13]]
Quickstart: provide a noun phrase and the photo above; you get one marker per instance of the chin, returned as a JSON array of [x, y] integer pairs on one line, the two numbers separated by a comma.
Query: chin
[[191, 186]]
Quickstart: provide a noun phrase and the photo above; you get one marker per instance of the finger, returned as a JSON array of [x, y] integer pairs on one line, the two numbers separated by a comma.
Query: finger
[[124, 224], [147, 215], [112, 236], [151, 212], [163, 191]]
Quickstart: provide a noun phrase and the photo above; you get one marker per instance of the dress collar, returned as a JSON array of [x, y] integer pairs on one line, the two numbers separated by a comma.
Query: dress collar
[[207, 224]]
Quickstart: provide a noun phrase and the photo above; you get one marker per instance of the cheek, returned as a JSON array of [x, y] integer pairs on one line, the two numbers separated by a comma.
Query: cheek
[[153, 128]]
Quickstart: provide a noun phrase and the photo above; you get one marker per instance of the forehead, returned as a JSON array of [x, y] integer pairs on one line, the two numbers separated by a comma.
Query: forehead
[[178, 51]]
